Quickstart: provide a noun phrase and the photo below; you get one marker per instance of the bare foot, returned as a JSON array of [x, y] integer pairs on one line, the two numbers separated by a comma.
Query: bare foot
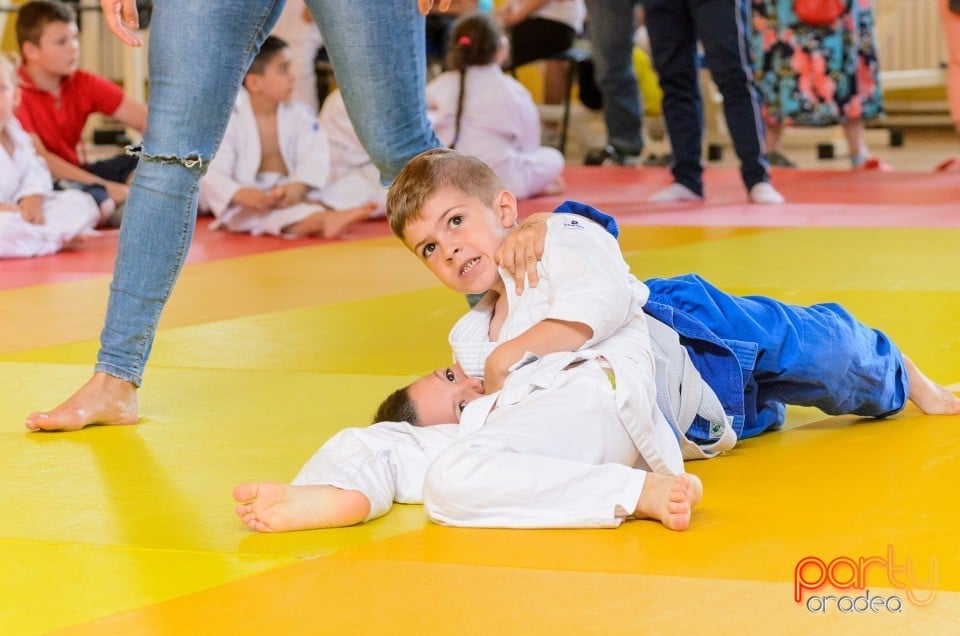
[[557, 186], [104, 399], [669, 499], [930, 397], [331, 223], [274, 507]]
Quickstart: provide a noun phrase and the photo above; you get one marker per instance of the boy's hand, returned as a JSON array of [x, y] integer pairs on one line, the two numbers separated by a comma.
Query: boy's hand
[[522, 248], [117, 191], [31, 209], [497, 366], [254, 199], [9, 207], [290, 194], [122, 19]]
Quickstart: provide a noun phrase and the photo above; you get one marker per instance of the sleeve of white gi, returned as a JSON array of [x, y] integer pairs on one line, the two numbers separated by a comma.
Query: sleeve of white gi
[[36, 176], [218, 185], [526, 118], [386, 462], [312, 149], [590, 281]]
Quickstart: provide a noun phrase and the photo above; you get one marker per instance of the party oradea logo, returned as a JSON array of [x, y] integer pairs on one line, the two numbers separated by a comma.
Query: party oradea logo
[[843, 584]]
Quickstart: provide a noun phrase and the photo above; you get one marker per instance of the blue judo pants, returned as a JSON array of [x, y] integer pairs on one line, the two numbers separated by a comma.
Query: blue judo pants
[[773, 354]]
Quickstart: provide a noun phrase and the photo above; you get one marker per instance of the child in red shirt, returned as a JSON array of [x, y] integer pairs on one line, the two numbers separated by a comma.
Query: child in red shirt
[[57, 98]]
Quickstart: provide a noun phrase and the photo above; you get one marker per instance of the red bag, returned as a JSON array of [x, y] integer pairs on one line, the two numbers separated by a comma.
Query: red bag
[[819, 12]]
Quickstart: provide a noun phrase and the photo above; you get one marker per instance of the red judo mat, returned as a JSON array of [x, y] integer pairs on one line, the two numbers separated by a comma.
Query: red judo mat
[[815, 198]]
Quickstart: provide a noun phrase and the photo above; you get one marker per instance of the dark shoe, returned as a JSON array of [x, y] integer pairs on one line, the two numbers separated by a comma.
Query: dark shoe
[[609, 156], [658, 161], [780, 161]]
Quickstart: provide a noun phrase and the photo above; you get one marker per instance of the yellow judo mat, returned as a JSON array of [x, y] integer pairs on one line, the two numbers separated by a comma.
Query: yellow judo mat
[[259, 359]]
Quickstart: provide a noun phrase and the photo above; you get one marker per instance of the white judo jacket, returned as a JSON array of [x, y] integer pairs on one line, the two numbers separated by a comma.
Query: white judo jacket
[[303, 146], [68, 214]]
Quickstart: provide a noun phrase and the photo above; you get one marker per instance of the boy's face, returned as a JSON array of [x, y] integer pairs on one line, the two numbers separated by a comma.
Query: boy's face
[[458, 235], [58, 51], [277, 81], [9, 95], [441, 396]]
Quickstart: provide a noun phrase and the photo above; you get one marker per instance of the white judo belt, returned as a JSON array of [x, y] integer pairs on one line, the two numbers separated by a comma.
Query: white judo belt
[[682, 395]]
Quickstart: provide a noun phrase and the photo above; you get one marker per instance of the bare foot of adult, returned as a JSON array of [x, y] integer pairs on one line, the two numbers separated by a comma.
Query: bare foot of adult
[[275, 507], [104, 399], [669, 499], [930, 397]]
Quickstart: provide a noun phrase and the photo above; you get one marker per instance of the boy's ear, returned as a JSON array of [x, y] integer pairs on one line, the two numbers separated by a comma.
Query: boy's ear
[[29, 50], [505, 205], [251, 82]]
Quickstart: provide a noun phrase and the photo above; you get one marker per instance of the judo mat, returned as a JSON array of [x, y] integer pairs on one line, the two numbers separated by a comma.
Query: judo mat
[[270, 346]]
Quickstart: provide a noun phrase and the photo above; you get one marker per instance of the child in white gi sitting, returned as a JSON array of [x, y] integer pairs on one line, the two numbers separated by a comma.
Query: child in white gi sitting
[[272, 171], [478, 110], [34, 220], [354, 180]]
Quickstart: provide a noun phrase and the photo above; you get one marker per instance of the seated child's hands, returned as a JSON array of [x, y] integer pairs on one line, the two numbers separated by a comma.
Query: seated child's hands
[[522, 248], [117, 191], [291, 194], [9, 207], [254, 199], [31, 209]]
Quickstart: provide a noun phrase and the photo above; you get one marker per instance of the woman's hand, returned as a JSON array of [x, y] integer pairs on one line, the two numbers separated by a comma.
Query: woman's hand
[[426, 5], [123, 19]]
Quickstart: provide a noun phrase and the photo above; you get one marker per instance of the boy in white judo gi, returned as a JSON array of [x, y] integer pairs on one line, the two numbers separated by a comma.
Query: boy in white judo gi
[[555, 434], [272, 171], [574, 439], [34, 220]]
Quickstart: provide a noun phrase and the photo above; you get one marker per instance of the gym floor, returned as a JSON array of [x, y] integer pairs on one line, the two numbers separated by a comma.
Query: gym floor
[[270, 346]]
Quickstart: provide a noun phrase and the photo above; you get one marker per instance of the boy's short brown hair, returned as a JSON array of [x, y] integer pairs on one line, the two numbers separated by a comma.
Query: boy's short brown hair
[[431, 171], [34, 16], [271, 46]]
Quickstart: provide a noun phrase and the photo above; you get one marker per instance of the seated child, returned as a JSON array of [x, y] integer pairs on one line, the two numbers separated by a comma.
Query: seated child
[[34, 220], [354, 180], [58, 98], [270, 173], [478, 110]]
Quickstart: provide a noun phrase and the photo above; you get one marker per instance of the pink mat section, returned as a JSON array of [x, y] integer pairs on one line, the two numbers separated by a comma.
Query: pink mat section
[[816, 198]]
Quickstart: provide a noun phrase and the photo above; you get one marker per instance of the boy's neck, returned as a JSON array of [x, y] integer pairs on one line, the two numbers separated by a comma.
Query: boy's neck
[[5, 139], [45, 81], [263, 106]]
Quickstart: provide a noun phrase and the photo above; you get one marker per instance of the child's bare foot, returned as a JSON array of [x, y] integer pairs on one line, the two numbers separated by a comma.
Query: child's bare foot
[[331, 223], [557, 186], [104, 399], [669, 499], [930, 397], [275, 507]]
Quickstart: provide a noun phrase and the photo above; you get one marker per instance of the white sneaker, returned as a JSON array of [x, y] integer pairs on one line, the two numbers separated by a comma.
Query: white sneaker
[[764, 193], [675, 193]]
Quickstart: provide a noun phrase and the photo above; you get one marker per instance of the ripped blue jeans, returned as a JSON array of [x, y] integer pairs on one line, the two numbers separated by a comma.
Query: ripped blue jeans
[[199, 53]]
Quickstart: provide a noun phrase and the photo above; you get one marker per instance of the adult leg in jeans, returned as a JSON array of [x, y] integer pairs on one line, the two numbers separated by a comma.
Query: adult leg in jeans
[[612, 23], [193, 85], [186, 71], [378, 54]]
